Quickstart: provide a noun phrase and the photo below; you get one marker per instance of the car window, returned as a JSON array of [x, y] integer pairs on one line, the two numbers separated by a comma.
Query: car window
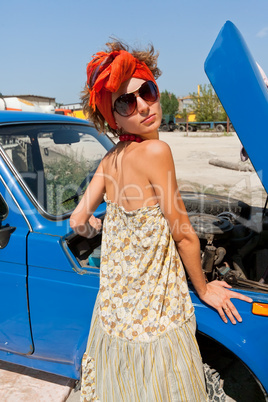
[[55, 161]]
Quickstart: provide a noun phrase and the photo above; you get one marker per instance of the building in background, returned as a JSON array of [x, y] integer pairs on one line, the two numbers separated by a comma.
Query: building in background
[[28, 103]]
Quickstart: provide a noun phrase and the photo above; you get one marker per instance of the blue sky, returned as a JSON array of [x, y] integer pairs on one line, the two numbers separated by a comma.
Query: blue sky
[[45, 45]]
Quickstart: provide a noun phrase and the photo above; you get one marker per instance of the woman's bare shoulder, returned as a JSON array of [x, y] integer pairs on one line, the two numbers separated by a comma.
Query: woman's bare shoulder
[[152, 156], [156, 148], [110, 154]]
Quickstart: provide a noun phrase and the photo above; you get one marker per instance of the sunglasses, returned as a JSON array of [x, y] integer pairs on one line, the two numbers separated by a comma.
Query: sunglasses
[[126, 104]]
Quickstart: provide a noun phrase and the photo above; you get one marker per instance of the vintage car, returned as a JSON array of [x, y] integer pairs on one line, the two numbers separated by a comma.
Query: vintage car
[[48, 286], [50, 276]]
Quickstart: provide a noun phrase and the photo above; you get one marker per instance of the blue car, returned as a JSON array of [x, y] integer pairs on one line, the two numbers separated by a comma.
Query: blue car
[[47, 285], [49, 276]]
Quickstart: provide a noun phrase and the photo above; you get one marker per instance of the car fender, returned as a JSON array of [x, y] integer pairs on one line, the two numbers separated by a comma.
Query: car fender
[[247, 340]]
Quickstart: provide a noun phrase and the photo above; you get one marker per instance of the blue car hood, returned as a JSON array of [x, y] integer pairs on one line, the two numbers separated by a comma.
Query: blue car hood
[[237, 81]]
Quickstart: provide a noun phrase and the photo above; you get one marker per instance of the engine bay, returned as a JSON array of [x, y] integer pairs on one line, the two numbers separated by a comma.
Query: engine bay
[[233, 251]]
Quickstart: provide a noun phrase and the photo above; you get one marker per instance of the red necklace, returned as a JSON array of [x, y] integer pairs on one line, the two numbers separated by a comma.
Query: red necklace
[[130, 137]]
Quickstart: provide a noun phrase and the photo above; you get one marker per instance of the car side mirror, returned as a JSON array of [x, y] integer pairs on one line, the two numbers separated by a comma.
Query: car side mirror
[[5, 233]]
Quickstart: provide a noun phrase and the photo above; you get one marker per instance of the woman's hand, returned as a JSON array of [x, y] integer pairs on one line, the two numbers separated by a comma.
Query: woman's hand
[[95, 224], [93, 227], [89, 229], [218, 295]]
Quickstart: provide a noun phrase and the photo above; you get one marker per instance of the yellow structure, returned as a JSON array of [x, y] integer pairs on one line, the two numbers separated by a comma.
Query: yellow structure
[[79, 114], [185, 105]]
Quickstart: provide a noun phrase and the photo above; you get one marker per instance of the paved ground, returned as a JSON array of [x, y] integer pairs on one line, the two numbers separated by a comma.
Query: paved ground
[[74, 396], [194, 173], [21, 384], [192, 155]]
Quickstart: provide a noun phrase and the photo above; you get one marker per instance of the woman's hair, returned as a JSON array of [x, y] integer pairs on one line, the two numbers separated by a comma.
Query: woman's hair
[[148, 56]]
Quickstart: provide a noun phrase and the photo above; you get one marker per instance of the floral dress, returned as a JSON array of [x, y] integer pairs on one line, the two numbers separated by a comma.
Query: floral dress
[[142, 344]]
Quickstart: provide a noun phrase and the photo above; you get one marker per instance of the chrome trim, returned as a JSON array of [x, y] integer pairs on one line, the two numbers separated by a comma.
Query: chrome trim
[[16, 202], [43, 212], [76, 269], [7, 207], [28, 191]]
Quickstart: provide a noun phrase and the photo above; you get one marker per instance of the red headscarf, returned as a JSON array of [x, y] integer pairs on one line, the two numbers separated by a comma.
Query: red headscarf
[[106, 72]]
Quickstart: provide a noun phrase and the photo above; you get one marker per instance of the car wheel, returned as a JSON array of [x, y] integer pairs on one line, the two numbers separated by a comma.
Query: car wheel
[[220, 128], [239, 382], [182, 128], [164, 127]]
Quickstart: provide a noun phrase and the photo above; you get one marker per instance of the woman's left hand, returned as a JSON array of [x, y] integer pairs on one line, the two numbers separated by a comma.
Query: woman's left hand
[[218, 295], [95, 225], [89, 229]]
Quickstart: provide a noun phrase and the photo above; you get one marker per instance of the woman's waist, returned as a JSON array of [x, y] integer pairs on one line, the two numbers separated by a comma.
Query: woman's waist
[[143, 308], [146, 330]]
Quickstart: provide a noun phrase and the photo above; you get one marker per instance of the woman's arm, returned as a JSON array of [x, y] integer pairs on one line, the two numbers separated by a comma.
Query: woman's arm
[[82, 221], [163, 179]]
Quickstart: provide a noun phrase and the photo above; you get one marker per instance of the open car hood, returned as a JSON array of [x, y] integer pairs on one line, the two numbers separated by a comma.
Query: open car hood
[[237, 81]]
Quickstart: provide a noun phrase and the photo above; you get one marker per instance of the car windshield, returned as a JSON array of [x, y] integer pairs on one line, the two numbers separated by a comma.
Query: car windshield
[[55, 161]]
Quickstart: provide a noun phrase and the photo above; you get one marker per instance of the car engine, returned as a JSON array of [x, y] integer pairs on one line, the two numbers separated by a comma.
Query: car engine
[[233, 239]]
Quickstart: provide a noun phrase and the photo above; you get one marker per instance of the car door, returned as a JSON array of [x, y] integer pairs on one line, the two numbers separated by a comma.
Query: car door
[[15, 330]]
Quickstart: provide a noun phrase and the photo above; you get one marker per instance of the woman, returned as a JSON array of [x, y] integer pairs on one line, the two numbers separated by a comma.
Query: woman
[[142, 344]]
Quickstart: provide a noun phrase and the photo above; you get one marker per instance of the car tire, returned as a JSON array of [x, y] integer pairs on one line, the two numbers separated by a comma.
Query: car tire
[[171, 127], [239, 382], [164, 127], [220, 128]]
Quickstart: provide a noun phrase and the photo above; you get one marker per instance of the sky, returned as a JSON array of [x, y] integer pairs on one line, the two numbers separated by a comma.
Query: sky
[[46, 44]]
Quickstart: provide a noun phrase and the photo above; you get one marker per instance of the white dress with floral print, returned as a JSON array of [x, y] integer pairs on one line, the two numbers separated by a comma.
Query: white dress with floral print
[[142, 344]]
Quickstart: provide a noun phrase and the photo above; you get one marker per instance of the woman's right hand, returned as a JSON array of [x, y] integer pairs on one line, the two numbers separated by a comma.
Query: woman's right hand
[[218, 295]]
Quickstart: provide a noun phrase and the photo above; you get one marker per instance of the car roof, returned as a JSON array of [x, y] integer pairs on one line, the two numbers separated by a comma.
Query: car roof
[[30, 117]]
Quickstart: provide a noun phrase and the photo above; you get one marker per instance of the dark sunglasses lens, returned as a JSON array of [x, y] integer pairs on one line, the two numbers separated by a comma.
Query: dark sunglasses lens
[[125, 104], [148, 91]]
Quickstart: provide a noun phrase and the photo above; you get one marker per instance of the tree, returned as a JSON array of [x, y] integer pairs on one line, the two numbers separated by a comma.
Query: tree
[[206, 105], [169, 103]]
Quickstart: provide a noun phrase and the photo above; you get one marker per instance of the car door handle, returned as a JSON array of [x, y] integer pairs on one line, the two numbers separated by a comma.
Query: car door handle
[[5, 233]]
